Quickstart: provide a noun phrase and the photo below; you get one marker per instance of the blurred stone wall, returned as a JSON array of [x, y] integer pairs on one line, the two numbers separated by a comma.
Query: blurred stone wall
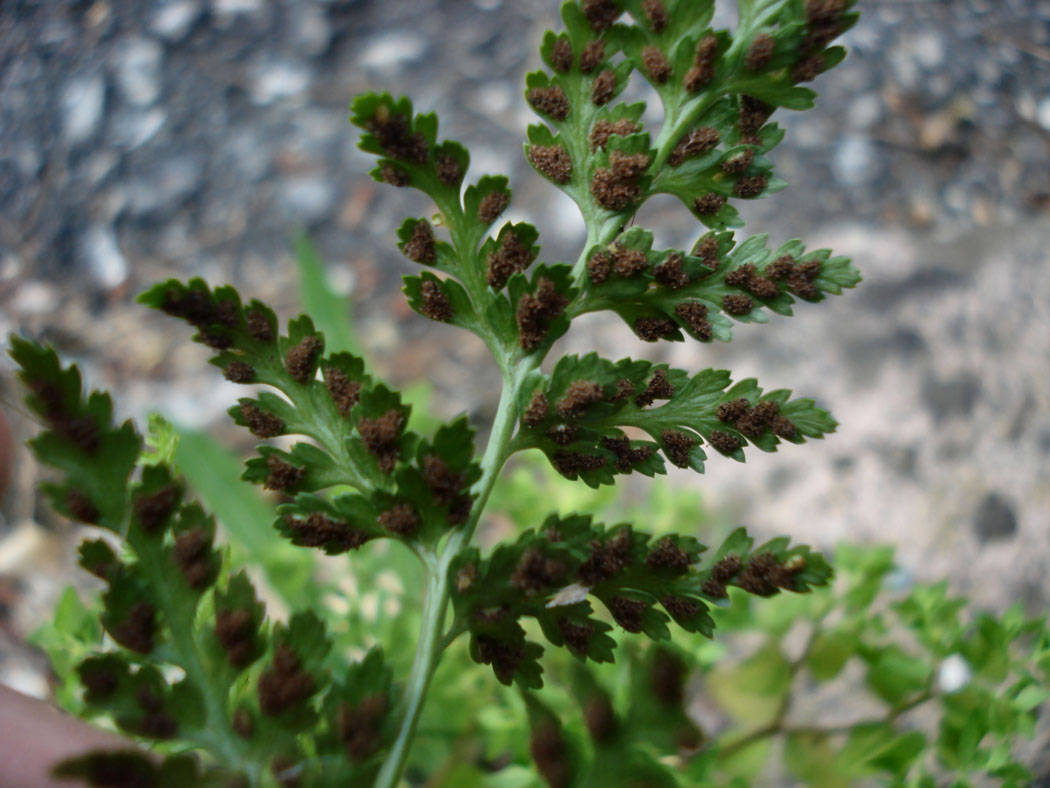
[[142, 139]]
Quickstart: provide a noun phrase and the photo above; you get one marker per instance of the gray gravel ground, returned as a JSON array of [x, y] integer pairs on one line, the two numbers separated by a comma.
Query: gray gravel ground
[[147, 139]]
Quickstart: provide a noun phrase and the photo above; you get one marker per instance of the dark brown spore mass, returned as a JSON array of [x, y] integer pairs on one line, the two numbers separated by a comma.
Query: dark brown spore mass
[[603, 129], [319, 530], [561, 55], [239, 372], [138, 629], [709, 204], [261, 423], [282, 475], [511, 257], [284, 684], [236, 630], [552, 161], [760, 52], [491, 206], [433, 302], [420, 247], [382, 438], [592, 56], [580, 395], [725, 442], [395, 136], [601, 14], [301, 359], [536, 412], [694, 315], [193, 555], [536, 312], [659, 388], [604, 88], [400, 519], [653, 329], [656, 65], [737, 304], [550, 101], [677, 445], [345, 393]]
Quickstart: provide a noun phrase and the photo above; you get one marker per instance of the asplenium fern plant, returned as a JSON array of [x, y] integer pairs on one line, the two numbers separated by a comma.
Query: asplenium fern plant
[[194, 661]]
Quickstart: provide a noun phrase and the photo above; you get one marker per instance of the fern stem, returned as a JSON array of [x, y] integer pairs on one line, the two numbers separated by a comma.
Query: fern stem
[[431, 641]]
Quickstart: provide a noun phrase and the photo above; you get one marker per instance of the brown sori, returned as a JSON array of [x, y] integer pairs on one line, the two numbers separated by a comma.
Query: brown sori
[[819, 11], [737, 304], [668, 678], [607, 558], [760, 52], [360, 727], [725, 442], [592, 56], [600, 717], [653, 329], [401, 519], [550, 101], [284, 684], [394, 134], [433, 302], [681, 608], [394, 176], [730, 412], [613, 192], [628, 262], [239, 372], [760, 287], [138, 629], [740, 276], [785, 428], [509, 258], [604, 88], [763, 575], [243, 723], [561, 55], [726, 567], [750, 186], [601, 14], [677, 445], [570, 463], [259, 326], [628, 613], [738, 163], [382, 438], [81, 507], [781, 268], [808, 68], [155, 723], [345, 393], [536, 312], [577, 636], [656, 65], [552, 161], [236, 630], [301, 359], [666, 554], [694, 315], [420, 247], [193, 555], [504, 657], [153, 509], [444, 483], [562, 434], [707, 250], [319, 530], [261, 423], [709, 204], [603, 129], [659, 388], [696, 143], [656, 14], [670, 273], [449, 170], [580, 395], [753, 113], [281, 475], [626, 455], [536, 572], [599, 267], [491, 206], [624, 389], [536, 412]]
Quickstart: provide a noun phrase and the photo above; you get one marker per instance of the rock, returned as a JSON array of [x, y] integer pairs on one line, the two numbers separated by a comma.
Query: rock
[[173, 20], [390, 51], [311, 32], [138, 63], [278, 81], [1042, 113], [855, 161], [231, 8], [995, 519], [131, 130], [955, 396], [306, 200], [82, 102], [171, 183], [103, 257]]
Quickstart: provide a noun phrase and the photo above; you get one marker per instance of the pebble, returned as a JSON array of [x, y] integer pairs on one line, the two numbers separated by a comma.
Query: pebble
[[1042, 113], [306, 200], [172, 182], [173, 20], [138, 63], [995, 519], [279, 81], [132, 130], [312, 32], [390, 51], [104, 259], [83, 100], [855, 161]]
